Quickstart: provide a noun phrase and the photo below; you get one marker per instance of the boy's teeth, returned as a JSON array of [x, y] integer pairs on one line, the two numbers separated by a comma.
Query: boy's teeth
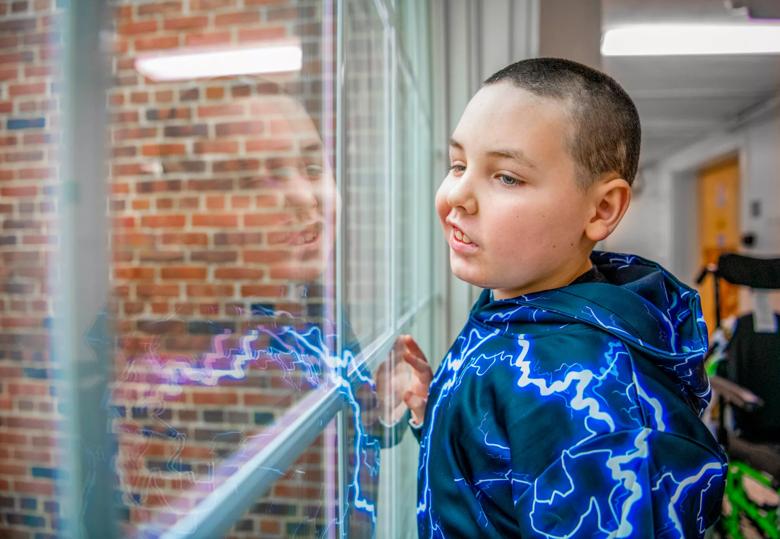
[[461, 236]]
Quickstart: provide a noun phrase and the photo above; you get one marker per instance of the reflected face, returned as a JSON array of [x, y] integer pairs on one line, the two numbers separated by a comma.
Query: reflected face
[[510, 207], [297, 177]]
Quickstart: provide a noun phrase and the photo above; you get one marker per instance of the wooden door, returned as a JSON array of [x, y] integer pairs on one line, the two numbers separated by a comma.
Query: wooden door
[[718, 224]]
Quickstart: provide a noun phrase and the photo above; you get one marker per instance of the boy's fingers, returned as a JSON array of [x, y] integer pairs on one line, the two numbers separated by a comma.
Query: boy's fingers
[[414, 402], [413, 347], [419, 365]]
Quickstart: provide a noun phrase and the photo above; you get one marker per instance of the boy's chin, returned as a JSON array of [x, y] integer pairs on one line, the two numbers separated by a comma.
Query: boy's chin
[[467, 276]]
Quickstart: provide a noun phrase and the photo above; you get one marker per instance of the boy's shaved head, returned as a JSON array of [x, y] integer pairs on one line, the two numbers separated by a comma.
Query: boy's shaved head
[[606, 134]]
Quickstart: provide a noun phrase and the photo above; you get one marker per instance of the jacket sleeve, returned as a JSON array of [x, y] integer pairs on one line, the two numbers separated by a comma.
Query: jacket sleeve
[[631, 483]]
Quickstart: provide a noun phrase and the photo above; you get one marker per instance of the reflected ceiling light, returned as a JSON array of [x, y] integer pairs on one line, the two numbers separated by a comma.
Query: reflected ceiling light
[[204, 64], [691, 39]]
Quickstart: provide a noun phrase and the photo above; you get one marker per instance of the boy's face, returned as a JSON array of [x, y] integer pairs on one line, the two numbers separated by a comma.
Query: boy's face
[[512, 191]]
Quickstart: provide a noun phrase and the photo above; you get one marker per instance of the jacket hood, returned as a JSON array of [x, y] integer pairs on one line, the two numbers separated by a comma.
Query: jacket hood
[[640, 303]]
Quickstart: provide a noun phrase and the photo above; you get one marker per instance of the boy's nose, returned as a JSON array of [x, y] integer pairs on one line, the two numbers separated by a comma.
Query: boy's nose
[[461, 195]]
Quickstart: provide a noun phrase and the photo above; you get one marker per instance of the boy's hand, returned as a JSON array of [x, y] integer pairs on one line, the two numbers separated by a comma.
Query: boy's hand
[[402, 382], [416, 394]]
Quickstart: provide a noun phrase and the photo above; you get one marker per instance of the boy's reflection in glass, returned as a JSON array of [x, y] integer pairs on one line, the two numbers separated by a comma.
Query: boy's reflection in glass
[[197, 384]]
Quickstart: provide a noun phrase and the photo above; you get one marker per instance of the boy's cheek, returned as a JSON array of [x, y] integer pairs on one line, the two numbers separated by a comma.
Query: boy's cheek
[[442, 208]]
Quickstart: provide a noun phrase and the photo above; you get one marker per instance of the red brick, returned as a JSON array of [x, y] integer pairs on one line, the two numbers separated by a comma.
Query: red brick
[[160, 308], [244, 18], [227, 109], [173, 221], [34, 173], [240, 201], [221, 398], [216, 146], [269, 145], [161, 256], [163, 96], [215, 92], [186, 23], [33, 88], [184, 272], [254, 127], [134, 133], [13, 438], [261, 34], [266, 291], [267, 219], [268, 201], [207, 290], [160, 8], [154, 290], [34, 487], [215, 202], [223, 220], [163, 149], [9, 73], [214, 257], [137, 27], [134, 273], [273, 527], [156, 43], [28, 389], [207, 39], [38, 71], [266, 257], [185, 239], [140, 204], [139, 97], [23, 191]]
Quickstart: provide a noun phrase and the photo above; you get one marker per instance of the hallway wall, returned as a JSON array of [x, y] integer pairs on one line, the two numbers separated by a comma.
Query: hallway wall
[[661, 222]]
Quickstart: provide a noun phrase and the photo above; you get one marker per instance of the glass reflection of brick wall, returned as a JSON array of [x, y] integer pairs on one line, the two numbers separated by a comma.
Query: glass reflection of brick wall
[[205, 253], [29, 406]]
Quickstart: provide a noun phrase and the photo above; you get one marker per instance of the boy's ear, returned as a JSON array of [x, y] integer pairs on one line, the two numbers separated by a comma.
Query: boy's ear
[[611, 198]]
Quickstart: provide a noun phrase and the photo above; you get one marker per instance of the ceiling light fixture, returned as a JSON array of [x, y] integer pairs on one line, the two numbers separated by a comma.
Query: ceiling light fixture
[[691, 39], [207, 64]]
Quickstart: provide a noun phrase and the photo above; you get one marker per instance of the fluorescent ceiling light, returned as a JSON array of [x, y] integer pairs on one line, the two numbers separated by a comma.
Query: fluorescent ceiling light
[[196, 65], [682, 39]]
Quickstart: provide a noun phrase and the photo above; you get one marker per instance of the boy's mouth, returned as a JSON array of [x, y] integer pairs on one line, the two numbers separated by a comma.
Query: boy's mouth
[[461, 236], [460, 241]]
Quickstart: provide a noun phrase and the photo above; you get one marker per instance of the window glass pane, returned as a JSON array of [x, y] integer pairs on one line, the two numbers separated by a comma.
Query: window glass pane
[[302, 502], [366, 246], [216, 241], [30, 96], [223, 204], [407, 193]]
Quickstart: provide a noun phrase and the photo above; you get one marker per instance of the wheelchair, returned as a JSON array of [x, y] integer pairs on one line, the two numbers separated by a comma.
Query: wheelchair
[[744, 368]]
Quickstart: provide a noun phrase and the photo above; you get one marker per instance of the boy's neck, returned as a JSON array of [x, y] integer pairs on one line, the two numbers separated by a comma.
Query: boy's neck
[[564, 280]]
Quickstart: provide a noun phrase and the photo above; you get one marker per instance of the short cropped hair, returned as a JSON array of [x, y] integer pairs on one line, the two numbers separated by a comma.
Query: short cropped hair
[[606, 134]]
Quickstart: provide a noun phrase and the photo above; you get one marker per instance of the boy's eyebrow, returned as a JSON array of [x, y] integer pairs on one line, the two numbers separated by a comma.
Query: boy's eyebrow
[[516, 155]]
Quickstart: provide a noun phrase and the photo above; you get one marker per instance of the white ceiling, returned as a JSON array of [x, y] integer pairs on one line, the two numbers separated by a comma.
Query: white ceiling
[[683, 98]]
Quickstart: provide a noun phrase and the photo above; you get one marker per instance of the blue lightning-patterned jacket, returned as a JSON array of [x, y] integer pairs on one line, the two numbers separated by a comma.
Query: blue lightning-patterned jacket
[[574, 412]]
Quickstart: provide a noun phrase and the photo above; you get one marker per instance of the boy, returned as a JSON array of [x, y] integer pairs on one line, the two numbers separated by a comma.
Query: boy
[[568, 405]]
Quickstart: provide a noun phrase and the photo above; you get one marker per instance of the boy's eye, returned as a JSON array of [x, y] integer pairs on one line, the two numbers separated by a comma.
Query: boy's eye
[[509, 180], [314, 171], [456, 168]]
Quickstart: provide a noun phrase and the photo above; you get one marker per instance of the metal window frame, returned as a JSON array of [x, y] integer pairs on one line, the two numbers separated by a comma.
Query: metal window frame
[[87, 487]]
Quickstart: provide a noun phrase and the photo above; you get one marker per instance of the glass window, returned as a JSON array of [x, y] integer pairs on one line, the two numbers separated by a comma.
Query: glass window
[[200, 226], [366, 248]]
